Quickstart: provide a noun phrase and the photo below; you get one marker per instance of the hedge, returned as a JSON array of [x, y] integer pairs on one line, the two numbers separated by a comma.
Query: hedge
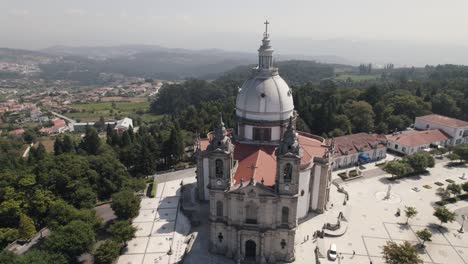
[[153, 189]]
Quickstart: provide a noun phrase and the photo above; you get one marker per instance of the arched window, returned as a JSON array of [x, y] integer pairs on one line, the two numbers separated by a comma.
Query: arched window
[[219, 209], [219, 168], [251, 214], [285, 215], [287, 173]]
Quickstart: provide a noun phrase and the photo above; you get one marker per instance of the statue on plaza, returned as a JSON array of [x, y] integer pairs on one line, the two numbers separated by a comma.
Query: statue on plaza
[[388, 192]]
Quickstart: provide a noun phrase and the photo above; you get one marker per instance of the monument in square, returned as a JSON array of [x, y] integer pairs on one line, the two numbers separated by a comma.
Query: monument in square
[[263, 176]]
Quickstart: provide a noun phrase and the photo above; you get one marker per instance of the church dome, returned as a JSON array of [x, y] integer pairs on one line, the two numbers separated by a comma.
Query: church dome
[[265, 96]]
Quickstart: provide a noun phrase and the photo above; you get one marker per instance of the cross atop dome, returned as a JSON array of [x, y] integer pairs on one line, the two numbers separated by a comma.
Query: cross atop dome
[[266, 35]]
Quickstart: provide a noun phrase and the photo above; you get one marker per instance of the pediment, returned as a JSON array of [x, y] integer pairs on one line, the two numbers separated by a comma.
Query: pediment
[[254, 190]]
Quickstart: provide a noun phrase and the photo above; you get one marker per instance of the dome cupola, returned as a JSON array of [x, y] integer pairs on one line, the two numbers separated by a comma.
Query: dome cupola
[[264, 100]]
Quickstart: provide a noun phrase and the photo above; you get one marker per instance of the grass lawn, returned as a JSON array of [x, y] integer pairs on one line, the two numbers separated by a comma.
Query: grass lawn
[[357, 77], [91, 112], [48, 144]]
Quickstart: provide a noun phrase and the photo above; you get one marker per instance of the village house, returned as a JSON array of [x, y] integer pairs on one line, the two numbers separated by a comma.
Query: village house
[[59, 127]]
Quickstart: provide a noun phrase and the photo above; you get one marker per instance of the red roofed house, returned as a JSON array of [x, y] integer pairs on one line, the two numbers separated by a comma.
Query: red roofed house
[[263, 177], [59, 127], [455, 128], [16, 132], [359, 148], [413, 141]]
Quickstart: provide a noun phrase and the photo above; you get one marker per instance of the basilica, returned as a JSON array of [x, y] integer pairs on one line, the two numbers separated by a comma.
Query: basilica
[[262, 177]]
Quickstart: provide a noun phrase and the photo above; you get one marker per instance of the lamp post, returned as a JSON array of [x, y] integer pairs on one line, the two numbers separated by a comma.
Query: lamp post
[[463, 222]]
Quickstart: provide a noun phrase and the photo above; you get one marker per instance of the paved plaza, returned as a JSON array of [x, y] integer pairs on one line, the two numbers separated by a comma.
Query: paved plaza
[[373, 221], [161, 227]]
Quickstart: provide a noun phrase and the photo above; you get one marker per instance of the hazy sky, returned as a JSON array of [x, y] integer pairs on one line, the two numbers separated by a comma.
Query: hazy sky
[[231, 25]]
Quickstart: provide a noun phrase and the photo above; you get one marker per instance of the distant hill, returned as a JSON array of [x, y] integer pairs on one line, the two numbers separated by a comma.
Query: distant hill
[[295, 72], [85, 64]]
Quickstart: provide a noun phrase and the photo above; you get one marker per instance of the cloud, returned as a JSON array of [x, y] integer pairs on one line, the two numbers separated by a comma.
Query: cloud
[[19, 12]]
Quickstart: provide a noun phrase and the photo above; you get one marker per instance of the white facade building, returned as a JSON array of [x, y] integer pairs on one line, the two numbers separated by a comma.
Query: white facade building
[[410, 142], [455, 128]]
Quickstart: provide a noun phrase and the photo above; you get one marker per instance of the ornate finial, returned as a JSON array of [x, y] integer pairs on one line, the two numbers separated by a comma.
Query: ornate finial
[[289, 142], [266, 29]]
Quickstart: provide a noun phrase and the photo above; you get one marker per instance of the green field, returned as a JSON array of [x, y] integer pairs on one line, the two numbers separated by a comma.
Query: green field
[[357, 77], [91, 112]]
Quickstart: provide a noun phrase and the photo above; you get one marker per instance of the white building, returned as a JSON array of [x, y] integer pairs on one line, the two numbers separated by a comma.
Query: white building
[[359, 148], [455, 128], [123, 124], [413, 141]]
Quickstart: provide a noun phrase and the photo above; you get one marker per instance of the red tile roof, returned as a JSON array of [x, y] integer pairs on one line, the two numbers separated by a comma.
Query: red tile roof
[[418, 138], [355, 143], [263, 158], [443, 120]]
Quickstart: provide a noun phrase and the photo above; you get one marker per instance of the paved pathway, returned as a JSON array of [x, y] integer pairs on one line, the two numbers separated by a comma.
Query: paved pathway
[[161, 227], [373, 221]]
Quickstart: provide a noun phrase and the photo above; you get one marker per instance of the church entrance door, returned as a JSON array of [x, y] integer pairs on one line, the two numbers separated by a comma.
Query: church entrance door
[[250, 250]]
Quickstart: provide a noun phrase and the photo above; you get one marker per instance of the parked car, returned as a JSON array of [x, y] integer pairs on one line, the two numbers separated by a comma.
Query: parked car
[[332, 252]]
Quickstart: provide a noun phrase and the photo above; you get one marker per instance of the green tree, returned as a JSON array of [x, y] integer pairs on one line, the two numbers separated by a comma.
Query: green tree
[[58, 146], [397, 168], [107, 252], [410, 212], [453, 157], [405, 253], [361, 115], [41, 257], [83, 197], [38, 153], [175, 146], [122, 231], [465, 186], [444, 104], [125, 204], [454, 188], [30, 136], [462, 151], [100, 125], [26, 227], [424, 235], [91, 141], [8, 235], [68, 145], [444, 215], [419, 161], [125, 139], [72, 240]]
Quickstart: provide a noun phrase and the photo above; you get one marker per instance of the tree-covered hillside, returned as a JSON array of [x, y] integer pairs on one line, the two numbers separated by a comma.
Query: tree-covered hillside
[[329, 107]]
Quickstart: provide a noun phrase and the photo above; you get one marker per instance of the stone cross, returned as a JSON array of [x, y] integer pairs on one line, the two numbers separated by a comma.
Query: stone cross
[[252, 167]]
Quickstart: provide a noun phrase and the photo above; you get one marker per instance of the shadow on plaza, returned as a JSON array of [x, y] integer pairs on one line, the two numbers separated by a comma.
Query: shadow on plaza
[[437, 227], [455, 165]]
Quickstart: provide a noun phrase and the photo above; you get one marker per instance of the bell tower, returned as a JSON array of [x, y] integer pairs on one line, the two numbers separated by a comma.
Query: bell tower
[[288, 162], [220, 158]]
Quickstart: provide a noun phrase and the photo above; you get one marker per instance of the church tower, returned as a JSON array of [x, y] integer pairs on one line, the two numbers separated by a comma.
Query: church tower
[[288, 161], [220, 158]]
